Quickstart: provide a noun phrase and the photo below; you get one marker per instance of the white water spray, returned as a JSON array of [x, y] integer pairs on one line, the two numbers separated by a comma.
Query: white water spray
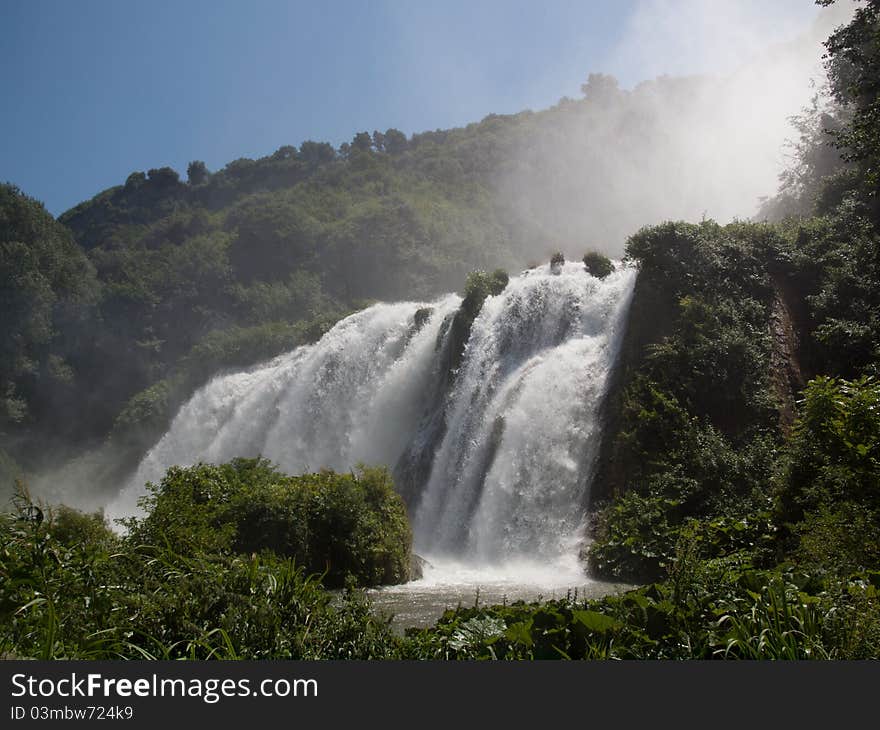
[[510, 478], [352, 397]]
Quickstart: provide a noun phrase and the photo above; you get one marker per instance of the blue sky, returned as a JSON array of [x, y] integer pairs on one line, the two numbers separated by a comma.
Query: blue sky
[[95, 89]]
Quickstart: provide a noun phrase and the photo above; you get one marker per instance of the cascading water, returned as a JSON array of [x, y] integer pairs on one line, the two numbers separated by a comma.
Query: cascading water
[[505, 452], [352, 397], [510, 477]]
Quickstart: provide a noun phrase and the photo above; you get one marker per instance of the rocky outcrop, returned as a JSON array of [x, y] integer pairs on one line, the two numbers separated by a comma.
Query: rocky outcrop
[[646, 323], [417, 567], [786, 374]]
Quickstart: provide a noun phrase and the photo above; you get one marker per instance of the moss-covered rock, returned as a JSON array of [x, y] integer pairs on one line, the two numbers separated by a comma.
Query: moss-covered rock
[[478, 286]]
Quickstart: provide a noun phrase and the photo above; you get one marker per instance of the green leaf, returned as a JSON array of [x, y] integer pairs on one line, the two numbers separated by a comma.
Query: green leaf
[[35, 602], [520, 633], [595, 621]]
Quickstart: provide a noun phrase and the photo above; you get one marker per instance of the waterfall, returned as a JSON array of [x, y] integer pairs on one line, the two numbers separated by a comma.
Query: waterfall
[[351, 397], [509, 479], [505, 445]]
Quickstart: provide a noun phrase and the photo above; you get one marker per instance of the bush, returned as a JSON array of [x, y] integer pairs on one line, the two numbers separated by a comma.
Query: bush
[[598, 265], [834, 448], [146, 412], [636, 537], [72, 528], [348, 527], [828, 495], [840, 540], [76, 599], [478, 286]]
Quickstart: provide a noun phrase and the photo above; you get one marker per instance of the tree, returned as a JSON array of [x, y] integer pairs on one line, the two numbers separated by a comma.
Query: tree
[[316, 153], [853, 62], [816, 167], [240, 168], [272, 239], [135, 181], [163, 177], [362, 141], [45, 281], [395, 141], [600, 88], [285, 152], [598, 265], [197, 172]]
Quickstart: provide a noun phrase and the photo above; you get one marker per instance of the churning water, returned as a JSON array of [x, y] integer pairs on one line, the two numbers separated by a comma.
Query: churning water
[[495, 459]]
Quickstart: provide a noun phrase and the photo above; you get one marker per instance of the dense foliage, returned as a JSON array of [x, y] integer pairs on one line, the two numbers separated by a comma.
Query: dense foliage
[[698, 431], [111, 598], [597, 264], [830, 487], [717, 610], [478, 286], [71, 588], [853, 62], [221, 567], [345, 527], [47, 289]]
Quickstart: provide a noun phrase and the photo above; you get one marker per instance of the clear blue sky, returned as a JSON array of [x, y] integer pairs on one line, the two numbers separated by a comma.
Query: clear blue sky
[[95, 89]]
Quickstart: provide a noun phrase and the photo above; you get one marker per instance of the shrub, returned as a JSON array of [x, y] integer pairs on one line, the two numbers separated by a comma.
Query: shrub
[[82, 601], [344, 526], [478, 286], [841, 540], [71, 528], [598, 265], [835, 448]]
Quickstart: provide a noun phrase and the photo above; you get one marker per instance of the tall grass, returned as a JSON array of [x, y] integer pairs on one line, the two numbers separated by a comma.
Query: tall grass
[[780, 624]]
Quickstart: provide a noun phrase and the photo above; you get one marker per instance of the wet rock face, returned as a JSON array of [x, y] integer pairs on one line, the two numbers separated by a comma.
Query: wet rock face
[[422, 316], [557, 261], [786, 375], [417, 567]]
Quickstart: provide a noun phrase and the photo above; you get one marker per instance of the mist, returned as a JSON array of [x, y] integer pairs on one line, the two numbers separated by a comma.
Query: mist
[[675, 147]]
